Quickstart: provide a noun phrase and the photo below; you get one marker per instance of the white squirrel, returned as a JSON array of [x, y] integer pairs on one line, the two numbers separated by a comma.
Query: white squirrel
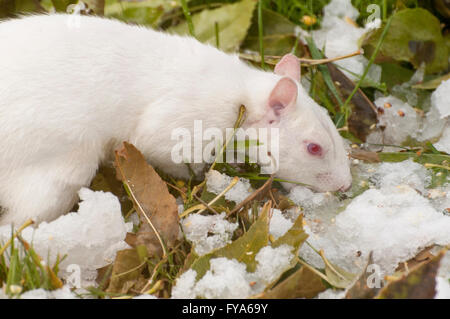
[[70, 95]]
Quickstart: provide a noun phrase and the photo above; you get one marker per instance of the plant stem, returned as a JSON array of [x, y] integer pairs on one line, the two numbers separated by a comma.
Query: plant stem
[[216, 29], [260, 34], [345, 109], [188, 17]]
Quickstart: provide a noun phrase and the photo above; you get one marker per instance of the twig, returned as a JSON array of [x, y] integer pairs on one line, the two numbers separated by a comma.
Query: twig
[[196, 197], [232, 184], [430, 165], [202, 207], [252, 196], [307, 62]]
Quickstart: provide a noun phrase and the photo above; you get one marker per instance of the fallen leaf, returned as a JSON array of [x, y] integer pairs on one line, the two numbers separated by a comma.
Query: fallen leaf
[[393, 74], [335, 275], [419, 283], [432, 84], [145, 12], [125, 271], [303, 283], [414, 36], [422, 257], [294, 237], [97, 6], [156, 207], [233, 22], [243, 249], [360, 289], [279, 35], [367, 156], [364, 112]]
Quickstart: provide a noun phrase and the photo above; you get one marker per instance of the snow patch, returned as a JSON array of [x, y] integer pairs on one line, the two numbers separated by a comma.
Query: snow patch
[[228, 278], [217, 182], [89, 238], [208, 233]]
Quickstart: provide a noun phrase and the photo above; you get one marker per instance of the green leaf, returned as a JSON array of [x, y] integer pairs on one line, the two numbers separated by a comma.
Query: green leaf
[[278, 35], [393, 74], [294, 237], [423, 158], [432, 84], [335, 275], [316, 54], [244, 249], [233, 21], [145, 12], [414, 36]]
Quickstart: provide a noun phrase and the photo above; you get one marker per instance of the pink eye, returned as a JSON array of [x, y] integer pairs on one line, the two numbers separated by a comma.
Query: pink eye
[[314, 149]]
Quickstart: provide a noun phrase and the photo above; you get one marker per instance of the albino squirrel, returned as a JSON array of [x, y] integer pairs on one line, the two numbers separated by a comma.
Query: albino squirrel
[[69, 95]]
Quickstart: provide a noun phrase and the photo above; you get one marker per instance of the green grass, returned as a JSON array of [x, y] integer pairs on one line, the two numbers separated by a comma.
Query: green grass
[[22, 269]]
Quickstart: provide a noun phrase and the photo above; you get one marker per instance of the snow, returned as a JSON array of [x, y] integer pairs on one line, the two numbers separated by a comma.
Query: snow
[[440, 198], [319, 208], [399, 120], [225, 279], [441, 98], [279, 224], [145, 296], [331, 294], [392, 219], [309, 200], [184, 287], [89, 238], [229, 279], [442, 288], [443, 144], [407, 173], [443, 278], [339, 37], [217, 182], [341, 9], [208, 232], [273, 262], [432, 126], [62, 293]]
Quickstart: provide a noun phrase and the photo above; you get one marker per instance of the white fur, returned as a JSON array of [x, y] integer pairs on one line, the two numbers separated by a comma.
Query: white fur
[[69, 96]]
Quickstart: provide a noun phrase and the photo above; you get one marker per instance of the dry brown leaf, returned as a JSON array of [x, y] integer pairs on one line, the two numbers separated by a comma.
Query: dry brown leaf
[[364, 112], [419, 283], [156, 207], [370, 157], [360, 289], [303, 283], [126, 270], [422, 257]]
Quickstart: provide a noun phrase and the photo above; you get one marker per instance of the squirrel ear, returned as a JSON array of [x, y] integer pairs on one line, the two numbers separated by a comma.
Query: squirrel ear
[[289, 66], [282, 97]]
